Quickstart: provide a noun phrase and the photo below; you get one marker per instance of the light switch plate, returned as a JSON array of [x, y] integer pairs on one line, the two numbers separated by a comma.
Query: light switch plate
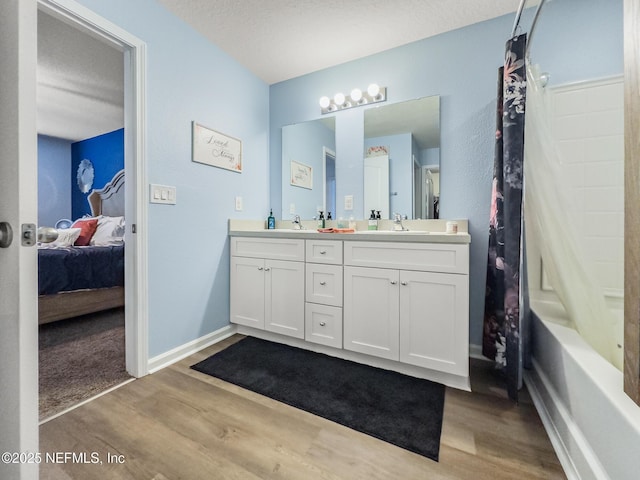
[[292, 208], [238, 204], [348, 202], [162, 194]]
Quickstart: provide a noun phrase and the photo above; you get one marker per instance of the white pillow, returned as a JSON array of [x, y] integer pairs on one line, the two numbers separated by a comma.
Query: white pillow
[[66, 238], [110, 231]]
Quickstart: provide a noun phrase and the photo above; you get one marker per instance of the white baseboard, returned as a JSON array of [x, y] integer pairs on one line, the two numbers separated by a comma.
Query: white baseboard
[[572, 448], [172, 356]]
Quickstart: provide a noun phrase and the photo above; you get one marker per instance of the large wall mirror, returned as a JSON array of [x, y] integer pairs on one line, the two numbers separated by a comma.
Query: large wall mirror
[[401, 162], [402, 158], [309, 168]]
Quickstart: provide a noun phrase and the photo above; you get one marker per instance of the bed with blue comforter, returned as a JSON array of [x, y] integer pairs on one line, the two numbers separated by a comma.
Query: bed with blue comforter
[[75, 281]]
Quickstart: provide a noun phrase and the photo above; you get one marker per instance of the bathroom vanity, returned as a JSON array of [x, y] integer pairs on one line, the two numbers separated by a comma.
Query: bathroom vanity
[[395, 300]]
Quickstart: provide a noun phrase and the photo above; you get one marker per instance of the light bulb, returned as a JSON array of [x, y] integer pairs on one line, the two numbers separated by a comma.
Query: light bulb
[[339, 98], [373, 90], [356, 94], [324, 102]]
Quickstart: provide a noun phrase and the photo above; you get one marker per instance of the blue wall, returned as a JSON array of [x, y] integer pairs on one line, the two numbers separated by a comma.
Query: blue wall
[[106, 152], [575, 40], [188, 78], [54, 189]]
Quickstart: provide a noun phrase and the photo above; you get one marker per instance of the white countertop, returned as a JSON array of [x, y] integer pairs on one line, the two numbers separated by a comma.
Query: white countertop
[[419, 231]]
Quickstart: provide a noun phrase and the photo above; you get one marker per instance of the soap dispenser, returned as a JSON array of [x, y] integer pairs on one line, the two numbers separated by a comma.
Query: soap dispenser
[[373, 223], [271, 220]]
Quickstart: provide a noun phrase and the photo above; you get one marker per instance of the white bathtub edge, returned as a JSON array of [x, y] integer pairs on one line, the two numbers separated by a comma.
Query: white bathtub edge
[[555, 419], [593, 424]]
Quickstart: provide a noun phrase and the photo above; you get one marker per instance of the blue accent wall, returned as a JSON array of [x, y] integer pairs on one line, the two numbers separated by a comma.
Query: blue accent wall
[[106, 153], [54, 189], [574, 40]]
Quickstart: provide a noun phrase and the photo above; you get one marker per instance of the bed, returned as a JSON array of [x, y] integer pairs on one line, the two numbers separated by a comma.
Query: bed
[[76, 280]]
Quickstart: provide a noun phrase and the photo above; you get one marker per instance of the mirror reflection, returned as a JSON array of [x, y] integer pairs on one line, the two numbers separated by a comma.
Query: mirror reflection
[[402, 159], [401, 162], [309, 168]]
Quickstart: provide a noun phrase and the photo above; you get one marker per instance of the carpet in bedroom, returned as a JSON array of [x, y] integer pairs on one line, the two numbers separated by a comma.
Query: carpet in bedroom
[[80, 358], [399, 409]]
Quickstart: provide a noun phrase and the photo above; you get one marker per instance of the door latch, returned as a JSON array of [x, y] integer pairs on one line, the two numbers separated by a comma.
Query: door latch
[[29, 235]]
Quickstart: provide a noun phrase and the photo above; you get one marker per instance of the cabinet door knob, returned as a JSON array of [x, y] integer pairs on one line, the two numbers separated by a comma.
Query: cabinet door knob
[[404, 283], [267, 269], [393, 282], [323, 283], [322, 324], [260, 268], [322, 252]]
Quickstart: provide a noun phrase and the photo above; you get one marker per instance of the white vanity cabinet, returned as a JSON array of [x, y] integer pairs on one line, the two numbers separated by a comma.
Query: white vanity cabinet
[[267, 284], [323, 309], [392, 300], [414, 309]]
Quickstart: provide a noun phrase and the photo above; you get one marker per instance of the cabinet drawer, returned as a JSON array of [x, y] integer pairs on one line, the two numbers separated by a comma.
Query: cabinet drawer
[[323, 325], [431, 257], [324, 284], [271, 248], [324, 251]]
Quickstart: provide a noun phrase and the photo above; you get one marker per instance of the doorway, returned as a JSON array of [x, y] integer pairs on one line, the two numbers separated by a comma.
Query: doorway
[[133, 54]]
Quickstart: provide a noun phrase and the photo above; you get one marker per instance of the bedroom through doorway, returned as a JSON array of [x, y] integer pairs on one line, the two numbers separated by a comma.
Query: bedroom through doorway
[[81, 193]]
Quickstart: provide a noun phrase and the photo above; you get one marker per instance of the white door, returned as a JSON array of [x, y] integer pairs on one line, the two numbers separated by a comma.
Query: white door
[[18, 264], [433, 321], [247, 291], [284, 297], [376, 185], [371, 311]]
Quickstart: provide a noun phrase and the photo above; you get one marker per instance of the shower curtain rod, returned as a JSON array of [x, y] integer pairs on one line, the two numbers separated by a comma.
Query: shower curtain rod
[[516, 23], [533, 27]]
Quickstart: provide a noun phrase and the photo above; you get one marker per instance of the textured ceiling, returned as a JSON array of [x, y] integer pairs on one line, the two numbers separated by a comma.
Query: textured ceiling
[[282, 39], [80, 90]]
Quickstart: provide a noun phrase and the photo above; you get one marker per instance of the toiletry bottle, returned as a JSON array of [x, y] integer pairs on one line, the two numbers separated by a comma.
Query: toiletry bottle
[[271, 220], [321, 220], [373, 223], [352, 223]]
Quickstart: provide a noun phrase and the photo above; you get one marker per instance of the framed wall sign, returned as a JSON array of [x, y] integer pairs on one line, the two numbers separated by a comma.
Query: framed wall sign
[[301, 175], [216, 149]]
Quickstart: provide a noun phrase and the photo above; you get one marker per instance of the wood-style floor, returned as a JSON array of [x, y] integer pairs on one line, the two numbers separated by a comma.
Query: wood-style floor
[[181, 424]]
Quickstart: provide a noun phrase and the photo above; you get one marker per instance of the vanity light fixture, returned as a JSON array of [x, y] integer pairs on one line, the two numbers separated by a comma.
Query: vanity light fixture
[[357, 98]]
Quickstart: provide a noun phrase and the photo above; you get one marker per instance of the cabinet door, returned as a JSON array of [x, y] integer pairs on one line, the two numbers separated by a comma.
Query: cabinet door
[[284, 297], [247, 291], [371, 311], [434, 325]]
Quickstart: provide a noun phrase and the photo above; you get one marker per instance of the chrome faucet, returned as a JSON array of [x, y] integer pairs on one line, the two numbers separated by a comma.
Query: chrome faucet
[[397, 222], [297, 224]]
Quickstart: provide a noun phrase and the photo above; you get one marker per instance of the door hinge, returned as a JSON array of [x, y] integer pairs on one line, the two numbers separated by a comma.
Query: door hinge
[[134, 228]]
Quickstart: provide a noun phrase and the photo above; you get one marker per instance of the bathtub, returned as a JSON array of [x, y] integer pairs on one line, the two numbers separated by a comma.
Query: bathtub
[[593, 426]]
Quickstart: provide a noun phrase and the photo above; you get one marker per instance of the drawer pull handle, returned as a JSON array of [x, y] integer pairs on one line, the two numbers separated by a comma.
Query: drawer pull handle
[[260, 268], [404, 283], [323, 283], [393, 282], [322, 324], [322, 252]]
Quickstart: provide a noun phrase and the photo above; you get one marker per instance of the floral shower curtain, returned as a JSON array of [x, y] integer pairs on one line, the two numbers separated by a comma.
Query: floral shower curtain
[[502, 340]]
